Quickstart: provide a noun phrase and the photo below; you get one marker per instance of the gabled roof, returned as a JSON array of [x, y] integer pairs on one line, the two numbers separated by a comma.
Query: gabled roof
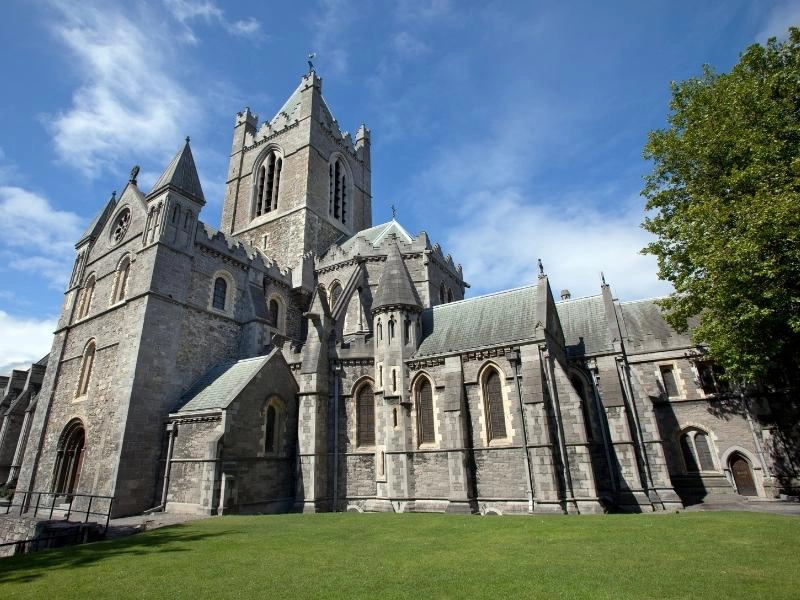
[[395, 287], [181, 175], [585, 326], [647, 329], [485, 321], [375, 235], [99, 220], [220, 386]]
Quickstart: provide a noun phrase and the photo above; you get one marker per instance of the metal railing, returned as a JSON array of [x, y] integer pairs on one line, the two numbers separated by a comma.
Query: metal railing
[[23, 504]]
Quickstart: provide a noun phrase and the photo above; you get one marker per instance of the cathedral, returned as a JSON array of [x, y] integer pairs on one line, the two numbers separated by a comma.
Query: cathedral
[[302, 358]]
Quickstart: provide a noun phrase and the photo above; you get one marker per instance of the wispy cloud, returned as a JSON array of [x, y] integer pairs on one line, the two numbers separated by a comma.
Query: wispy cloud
[[36, 237], [24, 341], [330, 39], [129, 102], [186, 11], [778, 20]]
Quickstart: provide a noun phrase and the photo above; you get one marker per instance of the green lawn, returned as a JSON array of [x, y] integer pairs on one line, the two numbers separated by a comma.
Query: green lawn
[[698, 555]]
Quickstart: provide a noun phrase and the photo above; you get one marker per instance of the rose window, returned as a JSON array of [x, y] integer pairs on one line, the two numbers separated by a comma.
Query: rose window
[[121, 226]]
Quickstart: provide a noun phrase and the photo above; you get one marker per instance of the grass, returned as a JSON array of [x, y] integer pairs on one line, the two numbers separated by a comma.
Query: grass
[[699, 555]]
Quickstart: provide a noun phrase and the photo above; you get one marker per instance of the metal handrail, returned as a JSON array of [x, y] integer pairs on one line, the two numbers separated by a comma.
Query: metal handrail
[[23, 506]]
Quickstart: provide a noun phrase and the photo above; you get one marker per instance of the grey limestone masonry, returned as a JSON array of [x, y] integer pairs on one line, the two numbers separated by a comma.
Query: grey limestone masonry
[[302, 358]]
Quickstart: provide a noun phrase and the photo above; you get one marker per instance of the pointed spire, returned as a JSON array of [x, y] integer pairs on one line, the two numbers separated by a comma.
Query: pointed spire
[[395, 287], [181, 176]]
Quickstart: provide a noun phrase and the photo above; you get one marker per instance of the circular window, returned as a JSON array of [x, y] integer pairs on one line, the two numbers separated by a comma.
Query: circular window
[[121, 226]]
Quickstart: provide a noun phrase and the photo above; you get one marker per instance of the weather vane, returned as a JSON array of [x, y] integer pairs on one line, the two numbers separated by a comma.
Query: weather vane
[[394, 212], [311, 57], [541, 268]]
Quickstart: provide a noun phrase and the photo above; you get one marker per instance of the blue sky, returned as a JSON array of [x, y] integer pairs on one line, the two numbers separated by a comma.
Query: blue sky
[[507, 130]]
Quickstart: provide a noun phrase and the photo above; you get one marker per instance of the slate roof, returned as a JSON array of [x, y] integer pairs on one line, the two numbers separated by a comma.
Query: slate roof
[[219, 386], [647, 329], [290, 110], [375, 235], [585, 326], [181, 174], [485, 321], [93, 229], [395, 287]]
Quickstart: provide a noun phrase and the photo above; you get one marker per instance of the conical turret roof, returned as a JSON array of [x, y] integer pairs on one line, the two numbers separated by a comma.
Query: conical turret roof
[[395, 287], [181, 175]]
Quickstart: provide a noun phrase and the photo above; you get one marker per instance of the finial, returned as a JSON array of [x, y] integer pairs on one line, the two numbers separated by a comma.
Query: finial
[[394, 212], [134, 174], [188, 139], [114, 195], [603, 278], [541, 269], [311, 57]]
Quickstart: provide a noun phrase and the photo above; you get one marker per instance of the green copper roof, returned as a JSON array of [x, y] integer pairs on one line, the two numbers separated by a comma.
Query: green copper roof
[[375, 235], [481, 322], [218, 387]]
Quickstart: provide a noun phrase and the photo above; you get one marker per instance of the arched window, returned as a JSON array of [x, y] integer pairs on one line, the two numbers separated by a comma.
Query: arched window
[[365, 413], [449, 295], [696, 451], [336, 293], [273, 425], [425, 423], [268, 184], [394, 380], [87, 363], [274, 309], [176, 214], [339, 191], [441, 294], [86, 297], [69, 458], [390, 327], [407, 331], [380, 331], [220, 293], [380, 375], [493, 400], [121, 280]]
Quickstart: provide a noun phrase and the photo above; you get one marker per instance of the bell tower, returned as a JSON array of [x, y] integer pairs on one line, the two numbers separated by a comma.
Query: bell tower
[[297, 183]]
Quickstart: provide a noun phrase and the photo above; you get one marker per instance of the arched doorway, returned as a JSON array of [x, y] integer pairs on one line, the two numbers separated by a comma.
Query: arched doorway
[[742, 475], [70, 458]]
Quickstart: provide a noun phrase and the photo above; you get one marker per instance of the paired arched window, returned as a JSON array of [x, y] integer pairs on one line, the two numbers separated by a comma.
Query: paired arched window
[[339, 190], [220, 293], [87, 364], [273, 425], [121, 280], [425, 424], [493, 401], [86, 296], [365, 415], [696, 451], [268, 183]]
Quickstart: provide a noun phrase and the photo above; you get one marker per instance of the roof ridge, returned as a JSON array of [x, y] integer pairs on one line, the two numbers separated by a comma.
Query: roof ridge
[[489, 295], [579, 298], [644, 299]]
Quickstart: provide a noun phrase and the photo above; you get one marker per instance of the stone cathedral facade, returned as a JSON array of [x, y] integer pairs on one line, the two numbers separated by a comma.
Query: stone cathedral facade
[[302, 358]]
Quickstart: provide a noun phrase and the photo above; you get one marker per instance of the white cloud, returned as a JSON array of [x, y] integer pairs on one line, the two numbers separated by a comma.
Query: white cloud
[[36, 236], [186, 11], [500, 235], [129, 103], [407, 45], [24, 341], [778, 20]]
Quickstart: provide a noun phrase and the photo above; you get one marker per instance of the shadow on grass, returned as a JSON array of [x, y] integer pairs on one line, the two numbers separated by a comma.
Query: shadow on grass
[[23, 569]]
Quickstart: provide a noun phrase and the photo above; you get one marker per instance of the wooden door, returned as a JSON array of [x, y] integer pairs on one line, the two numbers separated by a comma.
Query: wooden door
[[743, 476]]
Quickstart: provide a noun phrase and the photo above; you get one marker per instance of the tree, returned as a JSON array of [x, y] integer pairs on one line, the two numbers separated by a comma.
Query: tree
[[724, 202]]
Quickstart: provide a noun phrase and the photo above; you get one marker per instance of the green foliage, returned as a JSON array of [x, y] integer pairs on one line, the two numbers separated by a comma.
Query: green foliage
[[687, 555], [725, 200]]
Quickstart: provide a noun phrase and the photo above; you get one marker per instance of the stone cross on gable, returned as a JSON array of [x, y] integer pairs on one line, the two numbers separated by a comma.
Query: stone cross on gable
[[394, 212]]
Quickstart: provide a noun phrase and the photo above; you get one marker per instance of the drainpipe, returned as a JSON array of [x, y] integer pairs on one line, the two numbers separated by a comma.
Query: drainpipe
[[172, 431], [336, 373], [544, 357], [514, 358], [601, 414]]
